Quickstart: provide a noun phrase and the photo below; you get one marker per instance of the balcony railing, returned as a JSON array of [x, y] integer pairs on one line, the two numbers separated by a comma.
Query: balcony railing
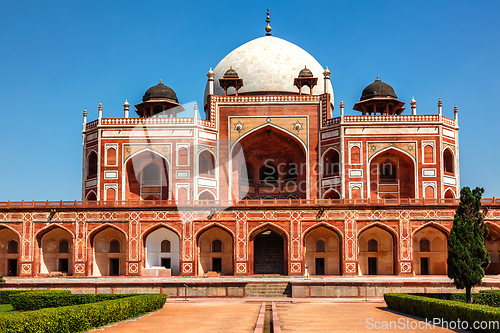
[[222, 204]]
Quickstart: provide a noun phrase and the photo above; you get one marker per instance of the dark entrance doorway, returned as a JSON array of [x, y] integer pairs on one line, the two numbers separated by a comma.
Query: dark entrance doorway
[[372, 266], [114, 266], [217, 264], [165, 262], [424, 266], [63, 265], [268, 253], [12, 267], [320, 266]]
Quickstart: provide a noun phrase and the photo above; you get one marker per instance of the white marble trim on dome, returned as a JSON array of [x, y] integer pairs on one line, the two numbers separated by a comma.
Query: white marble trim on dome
[[269, 64]]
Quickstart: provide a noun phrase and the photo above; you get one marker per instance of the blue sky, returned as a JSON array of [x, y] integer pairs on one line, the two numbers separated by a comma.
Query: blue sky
[[59, 57]]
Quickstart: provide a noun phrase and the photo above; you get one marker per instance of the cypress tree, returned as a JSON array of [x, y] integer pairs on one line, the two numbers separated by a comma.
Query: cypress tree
[[467, 256]]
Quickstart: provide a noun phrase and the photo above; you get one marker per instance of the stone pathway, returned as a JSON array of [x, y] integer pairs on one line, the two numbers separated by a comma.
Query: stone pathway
[[236, 315], [346, 317], [194, 317]]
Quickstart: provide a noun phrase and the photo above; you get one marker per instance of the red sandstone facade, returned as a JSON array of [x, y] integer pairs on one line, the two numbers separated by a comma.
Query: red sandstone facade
[[268, 183]]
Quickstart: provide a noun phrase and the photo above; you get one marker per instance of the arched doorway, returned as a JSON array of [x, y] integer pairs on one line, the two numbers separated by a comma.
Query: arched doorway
[[147, 177], [492, 244], [430, 251], [376, 252], [56, 251], [109, 252], [276, 165], [9, 252], [269, 253], [215, 251], [322, 251], [392, 174], [162, 247]]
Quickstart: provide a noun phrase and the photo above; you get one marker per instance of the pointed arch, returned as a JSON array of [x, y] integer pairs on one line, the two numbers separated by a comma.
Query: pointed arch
[[384, 260], [332, 192], [292, 158], [328, 258], [102, 227], [215, 246], [448, 161], [92, 163], [285, 131], [157, 226], [150, 151], [203, 195], [105, 262], [380, 225], [51, 256], [268, 225], [91, 196], [40, 233], [449, 194], [412, 178], [434, 225], [134, 170], [213, 225], [430, 249], [268, 249], [2, 225], [207, 162], [336, 165]]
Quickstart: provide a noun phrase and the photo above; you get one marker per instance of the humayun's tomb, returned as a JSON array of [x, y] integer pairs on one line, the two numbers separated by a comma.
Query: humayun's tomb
[[270, 179]]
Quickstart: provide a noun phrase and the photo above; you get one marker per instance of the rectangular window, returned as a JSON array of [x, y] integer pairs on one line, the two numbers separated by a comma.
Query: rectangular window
[[217, 264], [165, 262]]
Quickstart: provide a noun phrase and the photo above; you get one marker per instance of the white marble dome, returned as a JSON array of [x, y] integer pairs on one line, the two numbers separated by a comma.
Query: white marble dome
[[269, 64]]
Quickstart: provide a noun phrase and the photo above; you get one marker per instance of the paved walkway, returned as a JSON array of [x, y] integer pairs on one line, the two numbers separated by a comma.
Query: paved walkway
[[236, 315], [346, 317], [194, 317]]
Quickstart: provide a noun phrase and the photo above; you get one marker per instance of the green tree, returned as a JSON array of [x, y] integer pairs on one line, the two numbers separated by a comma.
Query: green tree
[[467, 256]]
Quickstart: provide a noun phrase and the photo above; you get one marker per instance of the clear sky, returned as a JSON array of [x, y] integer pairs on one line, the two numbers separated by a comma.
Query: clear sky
[[59, 57]]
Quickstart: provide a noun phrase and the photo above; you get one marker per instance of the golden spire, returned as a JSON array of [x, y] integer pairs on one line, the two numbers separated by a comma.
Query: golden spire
[[268, 27]]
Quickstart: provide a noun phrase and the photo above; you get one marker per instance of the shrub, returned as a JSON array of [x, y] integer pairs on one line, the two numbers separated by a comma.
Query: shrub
[[485, 297], [30, 301], [427, 307], [82, 317], [4, 295]]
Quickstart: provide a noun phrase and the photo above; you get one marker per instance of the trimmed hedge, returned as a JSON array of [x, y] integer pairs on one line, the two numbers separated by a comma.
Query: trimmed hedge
[[5, 294], [427, 307], [484, 297], [83, 317], [31, 301]]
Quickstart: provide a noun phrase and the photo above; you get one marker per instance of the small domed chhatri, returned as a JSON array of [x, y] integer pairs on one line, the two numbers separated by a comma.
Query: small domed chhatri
[[379, 98], [160, 92], [378, 89], [231, 74], [306, 72], [158, 99]]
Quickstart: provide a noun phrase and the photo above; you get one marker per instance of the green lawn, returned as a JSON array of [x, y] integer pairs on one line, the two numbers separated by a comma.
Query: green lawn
[[6, 308]]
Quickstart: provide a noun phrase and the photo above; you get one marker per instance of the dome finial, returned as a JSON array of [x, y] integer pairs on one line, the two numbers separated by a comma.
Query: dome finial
[[377, 78], [160, 80], [268, 27]]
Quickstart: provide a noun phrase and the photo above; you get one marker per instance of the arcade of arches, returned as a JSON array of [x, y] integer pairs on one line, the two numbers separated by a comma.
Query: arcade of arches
[[322, 250]]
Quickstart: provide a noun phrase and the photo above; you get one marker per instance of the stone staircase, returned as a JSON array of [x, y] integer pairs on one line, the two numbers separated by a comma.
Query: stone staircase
[[269, 290]]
